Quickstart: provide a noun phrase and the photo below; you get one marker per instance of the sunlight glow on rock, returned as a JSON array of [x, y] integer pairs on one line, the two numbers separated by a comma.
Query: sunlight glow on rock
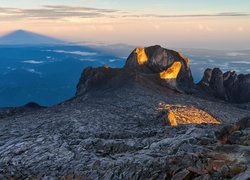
[[186, 114], [172, 72], [141, 56], [171, 119]]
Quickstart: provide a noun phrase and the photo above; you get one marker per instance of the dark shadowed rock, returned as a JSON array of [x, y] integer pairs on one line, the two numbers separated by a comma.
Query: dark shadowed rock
[[216, 83], [244, 123], [240, 91], [228, 86], [206, 78], [96, 77], [237, 133]]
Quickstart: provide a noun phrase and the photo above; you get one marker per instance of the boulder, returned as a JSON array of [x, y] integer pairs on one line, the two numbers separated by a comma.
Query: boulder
[[171, 66], [156, 59]]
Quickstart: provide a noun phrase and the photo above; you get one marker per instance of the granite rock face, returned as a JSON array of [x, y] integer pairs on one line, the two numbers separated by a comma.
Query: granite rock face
[[227, 86], [156, 60]]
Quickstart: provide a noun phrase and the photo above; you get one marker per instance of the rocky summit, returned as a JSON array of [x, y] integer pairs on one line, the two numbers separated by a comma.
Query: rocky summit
[[148, 120]]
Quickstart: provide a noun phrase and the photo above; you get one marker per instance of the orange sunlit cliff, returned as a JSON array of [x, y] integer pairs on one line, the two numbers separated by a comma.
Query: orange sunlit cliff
[[172, 72], [141, 56]]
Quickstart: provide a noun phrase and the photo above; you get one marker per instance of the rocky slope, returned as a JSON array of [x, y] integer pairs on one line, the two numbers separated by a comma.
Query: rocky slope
[[147, 120]]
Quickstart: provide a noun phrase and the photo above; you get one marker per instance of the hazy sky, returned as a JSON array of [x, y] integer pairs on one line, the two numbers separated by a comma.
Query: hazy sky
[[220, 24]]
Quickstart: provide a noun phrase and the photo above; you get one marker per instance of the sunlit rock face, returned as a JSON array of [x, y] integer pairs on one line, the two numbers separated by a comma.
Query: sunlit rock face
[[141, 56], [171, 72], [227, 86], [171, 66]]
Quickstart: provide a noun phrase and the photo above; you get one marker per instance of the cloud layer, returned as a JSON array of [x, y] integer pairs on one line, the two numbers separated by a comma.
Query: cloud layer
[[53, 12], [60, 12]]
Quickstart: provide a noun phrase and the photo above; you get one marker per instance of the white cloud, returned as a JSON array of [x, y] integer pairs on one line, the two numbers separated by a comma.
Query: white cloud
[[81, 53], [88, 59], [33, 62], [114, 60]]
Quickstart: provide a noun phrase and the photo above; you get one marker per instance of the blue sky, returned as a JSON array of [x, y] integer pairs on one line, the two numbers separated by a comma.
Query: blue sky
[[195, 23]]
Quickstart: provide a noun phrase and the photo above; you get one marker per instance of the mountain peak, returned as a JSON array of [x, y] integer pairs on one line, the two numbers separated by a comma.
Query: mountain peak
[[23, 37], [157, 67]]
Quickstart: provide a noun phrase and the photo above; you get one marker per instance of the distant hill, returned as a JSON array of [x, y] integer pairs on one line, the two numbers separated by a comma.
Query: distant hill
[[21, 37]]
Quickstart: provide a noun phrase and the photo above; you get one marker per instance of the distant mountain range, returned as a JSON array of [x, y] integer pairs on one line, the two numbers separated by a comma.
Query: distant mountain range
[[21, 37]]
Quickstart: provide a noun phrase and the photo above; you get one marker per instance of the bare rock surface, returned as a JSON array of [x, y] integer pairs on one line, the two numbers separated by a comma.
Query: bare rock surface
[[115, 128]]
